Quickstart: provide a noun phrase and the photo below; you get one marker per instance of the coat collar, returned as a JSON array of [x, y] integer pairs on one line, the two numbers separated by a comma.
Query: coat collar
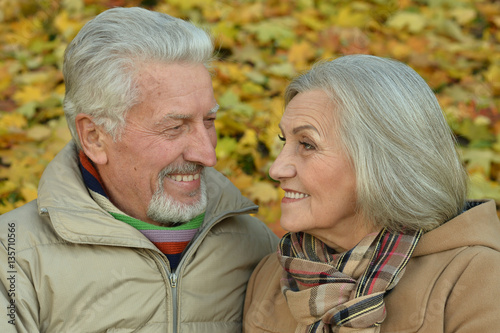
[[463, 231]]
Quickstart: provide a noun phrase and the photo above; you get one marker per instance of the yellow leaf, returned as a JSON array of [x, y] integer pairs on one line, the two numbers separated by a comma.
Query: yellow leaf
[[225, 33], [481, 187], [414, 22], [252, 90], [29, 192], [463, 15], [9, 9], [241, 180], [300, 54], [23, 31], [29, 94], [493, 76], [480, 160], [60, 89], [5, 78], [496, 21], [225, 147], [11, 121], [66, 26], [347, 17], [6, 207], [6, 187], [189, 4], [248, 140], [262, 192], [73, 6], [38, 132]]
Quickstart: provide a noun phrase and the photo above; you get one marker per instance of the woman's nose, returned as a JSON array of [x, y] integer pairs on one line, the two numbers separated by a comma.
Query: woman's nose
[[283, 167]]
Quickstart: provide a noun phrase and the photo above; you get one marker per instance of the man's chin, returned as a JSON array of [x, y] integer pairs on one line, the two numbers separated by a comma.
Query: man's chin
[[171, 213], [172, 210]]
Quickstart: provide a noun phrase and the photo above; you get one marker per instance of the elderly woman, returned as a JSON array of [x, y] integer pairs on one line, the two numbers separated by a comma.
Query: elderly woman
[[381, 237]]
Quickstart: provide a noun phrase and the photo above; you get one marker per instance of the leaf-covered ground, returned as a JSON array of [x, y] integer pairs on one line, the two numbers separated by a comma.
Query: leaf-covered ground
[[453, 44]]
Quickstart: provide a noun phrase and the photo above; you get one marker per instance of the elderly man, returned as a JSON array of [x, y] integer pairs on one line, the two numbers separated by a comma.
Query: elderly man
[[133, 231]]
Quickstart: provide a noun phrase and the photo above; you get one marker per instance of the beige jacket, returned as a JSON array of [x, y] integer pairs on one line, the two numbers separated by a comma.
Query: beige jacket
[[451, 284], [77, 269]]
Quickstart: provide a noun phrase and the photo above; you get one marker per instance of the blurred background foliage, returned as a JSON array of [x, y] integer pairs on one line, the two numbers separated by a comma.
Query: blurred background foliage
[[262, 44]]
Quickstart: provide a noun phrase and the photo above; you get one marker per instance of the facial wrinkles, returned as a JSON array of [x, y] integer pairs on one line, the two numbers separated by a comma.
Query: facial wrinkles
[[318, 136]]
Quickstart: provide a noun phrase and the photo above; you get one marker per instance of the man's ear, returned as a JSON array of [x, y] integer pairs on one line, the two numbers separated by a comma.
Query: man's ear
[[92, 138]]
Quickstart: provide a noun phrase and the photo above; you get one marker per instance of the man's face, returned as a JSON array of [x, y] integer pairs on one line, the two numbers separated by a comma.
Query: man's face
[[155, 169]]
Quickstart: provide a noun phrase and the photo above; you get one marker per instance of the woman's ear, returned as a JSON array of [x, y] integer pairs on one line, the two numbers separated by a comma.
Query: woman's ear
[[92, 138]]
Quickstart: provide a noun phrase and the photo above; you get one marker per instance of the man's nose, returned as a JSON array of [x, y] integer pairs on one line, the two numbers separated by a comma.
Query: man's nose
[[201, 147]]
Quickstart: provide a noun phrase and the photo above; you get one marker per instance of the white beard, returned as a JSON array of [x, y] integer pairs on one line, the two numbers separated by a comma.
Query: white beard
[[166, 210]]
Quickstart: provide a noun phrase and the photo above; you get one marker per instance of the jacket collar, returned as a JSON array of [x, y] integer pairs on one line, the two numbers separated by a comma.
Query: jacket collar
[[478, 225], [77, 218]]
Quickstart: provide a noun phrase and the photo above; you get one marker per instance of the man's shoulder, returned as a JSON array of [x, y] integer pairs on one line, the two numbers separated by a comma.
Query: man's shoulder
[[246, 225], [27, 227], [21, 216]]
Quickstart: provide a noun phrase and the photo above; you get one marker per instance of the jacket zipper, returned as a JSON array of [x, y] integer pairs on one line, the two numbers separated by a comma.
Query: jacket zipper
[[173, 277], [173, 287]]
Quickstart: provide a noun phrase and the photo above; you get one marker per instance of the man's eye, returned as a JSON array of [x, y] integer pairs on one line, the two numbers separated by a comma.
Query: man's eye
[[209, 122], [172, 130]]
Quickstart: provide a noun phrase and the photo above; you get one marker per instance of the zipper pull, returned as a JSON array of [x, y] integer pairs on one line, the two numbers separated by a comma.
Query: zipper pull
[[173, 280]]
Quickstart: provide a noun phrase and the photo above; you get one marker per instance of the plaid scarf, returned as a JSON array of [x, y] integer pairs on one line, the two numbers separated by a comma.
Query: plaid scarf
[[326, 290]]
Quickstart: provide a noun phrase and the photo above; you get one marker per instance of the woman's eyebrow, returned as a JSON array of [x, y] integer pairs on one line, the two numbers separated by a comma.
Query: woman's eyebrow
[[300, 128], [303, 128]]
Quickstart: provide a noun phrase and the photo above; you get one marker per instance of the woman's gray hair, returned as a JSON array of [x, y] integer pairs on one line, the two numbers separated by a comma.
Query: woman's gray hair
[[409, 175], [101, 62]]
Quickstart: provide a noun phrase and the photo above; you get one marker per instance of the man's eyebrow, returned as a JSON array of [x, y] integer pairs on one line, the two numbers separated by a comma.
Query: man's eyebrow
[[214, 109], [176, 116], [172, 116]]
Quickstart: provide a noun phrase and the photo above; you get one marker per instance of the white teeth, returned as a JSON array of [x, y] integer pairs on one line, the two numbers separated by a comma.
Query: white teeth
[[295, 195], [184, 178]]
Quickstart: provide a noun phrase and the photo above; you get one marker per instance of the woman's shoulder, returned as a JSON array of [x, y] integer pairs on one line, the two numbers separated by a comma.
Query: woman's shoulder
[[266, 309], [268, 264], [265, 278], [451, 288]]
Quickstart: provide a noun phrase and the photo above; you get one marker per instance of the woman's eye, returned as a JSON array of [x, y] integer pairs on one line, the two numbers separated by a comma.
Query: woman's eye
[[307, 146]]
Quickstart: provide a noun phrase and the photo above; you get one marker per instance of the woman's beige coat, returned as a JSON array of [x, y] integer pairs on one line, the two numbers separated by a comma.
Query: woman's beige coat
[[77, 269], [451, 284]]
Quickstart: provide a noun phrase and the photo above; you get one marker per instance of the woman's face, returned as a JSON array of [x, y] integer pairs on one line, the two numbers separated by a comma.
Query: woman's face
[[316, 175]]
